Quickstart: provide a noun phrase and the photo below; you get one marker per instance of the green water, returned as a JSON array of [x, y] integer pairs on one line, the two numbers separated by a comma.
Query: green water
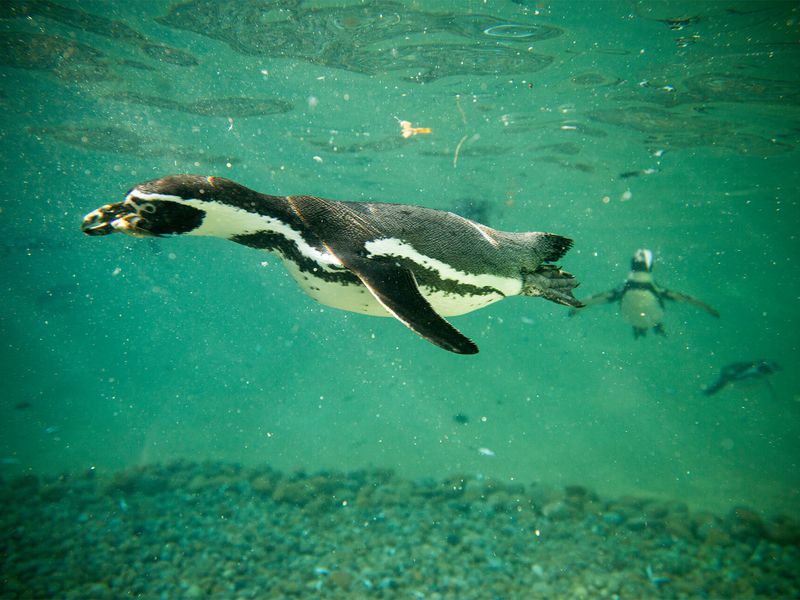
[[117, 351]]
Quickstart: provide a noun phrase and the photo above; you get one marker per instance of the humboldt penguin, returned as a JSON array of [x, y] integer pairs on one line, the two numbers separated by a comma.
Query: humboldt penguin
[[416, 264], [641, 299], [741, 371]]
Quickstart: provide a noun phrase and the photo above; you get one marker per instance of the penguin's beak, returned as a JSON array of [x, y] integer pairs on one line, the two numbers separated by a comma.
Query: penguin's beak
[[98, 222], [115, 218]]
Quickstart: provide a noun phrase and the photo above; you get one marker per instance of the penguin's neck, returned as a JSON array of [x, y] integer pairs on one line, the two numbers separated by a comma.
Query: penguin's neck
[[271, 225], [227, 221], [640, 277]]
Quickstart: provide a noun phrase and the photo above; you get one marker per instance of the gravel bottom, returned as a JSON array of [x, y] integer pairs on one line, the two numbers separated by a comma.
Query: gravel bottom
[[199, 530]]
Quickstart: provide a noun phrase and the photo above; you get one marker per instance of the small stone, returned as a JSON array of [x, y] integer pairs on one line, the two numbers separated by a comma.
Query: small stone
[[637, 524], [198, 483], [292, 492], [744, 524], [557, 510], [341, 579], [541, 589], [654, 510], [704, 523], [500, 501], [613, 518], [262, 485], [580, 591], [718, 537], [98, 591], [579, 495], [678, 526]]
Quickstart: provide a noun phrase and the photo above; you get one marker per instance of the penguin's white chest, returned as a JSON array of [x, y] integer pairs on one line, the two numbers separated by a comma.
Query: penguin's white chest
[[641, 308], [452, 305], [355, 297], [351, 296]]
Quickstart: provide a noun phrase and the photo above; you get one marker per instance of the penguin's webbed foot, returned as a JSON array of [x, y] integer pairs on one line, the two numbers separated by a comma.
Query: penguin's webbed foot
[[549, 281]]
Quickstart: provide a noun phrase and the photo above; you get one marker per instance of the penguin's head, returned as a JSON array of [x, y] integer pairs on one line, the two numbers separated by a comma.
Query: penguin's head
[[144, 213], [767, 367], [642, 261]]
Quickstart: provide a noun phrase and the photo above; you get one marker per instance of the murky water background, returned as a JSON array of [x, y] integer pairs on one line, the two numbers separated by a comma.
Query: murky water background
[[672, 126]]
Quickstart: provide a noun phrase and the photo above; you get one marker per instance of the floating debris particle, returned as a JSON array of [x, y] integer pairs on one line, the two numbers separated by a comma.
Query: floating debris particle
[[406, 130], [461, 418]]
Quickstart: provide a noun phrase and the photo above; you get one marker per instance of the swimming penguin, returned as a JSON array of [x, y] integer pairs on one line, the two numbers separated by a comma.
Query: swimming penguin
[[416, 264], [641, 300], [740, 371]]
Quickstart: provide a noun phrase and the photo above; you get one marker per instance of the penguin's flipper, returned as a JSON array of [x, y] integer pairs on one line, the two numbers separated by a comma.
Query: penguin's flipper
[[678, 297], [601, 298], [395, 287]]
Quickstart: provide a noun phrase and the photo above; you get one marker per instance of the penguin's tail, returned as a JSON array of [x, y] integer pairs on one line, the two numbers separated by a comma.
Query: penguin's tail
[[552, 247], [549, 281]]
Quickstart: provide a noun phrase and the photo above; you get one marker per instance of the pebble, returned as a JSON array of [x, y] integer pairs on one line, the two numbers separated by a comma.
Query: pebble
[[557, 510], [613, 518]]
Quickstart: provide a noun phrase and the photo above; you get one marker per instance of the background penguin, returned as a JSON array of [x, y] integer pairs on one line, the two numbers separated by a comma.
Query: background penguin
[[416, 264], [641, 299], [741, 371]]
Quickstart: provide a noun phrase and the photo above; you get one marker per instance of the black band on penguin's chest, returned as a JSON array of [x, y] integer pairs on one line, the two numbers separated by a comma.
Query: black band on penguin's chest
[[287, 248], [640, 285], [430, 278], [644, 286]]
